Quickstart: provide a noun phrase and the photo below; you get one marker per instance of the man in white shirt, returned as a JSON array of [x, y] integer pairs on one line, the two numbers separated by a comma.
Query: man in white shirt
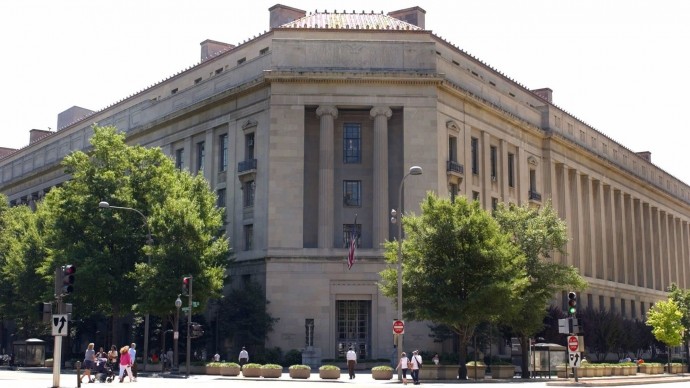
[[416, 365], [244, 357], [351, 357]]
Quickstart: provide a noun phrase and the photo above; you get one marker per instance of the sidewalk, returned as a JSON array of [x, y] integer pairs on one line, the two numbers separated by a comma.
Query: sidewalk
[[615, 381]]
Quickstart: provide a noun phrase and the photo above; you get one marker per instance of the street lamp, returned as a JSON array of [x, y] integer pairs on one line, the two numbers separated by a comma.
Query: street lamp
[[396, 218], [175, 363], [149, 242]]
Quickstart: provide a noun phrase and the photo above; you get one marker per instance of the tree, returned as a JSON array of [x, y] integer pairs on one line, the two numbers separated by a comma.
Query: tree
[[460, 269], [109, 247], [22, 250], [539, 233], [682, 299], [665, 319]]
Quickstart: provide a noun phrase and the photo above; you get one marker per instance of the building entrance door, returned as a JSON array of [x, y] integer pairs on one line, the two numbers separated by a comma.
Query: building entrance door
[[353, 319]]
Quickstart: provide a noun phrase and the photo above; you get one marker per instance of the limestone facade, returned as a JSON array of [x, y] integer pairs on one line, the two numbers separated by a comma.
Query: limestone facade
[[306, 127]]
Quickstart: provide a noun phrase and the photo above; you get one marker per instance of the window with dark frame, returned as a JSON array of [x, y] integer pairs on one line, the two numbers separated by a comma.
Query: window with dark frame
[[220, 202], [494, 162], [248, 237], [223, 154], [453, 192], [352, 193], [474, 148], [352, 143], [248, 189], [475, 196], [249, 146], [200, 156], [453, 149], [179, 158], [511, 170]]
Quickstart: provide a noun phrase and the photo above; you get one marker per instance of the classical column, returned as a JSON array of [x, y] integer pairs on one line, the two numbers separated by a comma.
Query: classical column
[[328, 114], [567, 213], [380, 115]]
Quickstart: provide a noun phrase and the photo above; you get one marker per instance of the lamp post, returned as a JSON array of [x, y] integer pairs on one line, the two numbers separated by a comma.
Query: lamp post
[[396, 218], [149, 242], [175, 362]]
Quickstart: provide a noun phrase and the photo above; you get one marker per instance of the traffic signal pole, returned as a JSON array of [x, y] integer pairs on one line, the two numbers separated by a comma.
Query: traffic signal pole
[[189, 324], [57, 346]]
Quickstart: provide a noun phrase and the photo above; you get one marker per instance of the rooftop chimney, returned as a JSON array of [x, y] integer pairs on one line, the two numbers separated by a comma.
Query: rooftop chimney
[[414, 15], [72, 115], [36, 134], [646, 155], [282, 14], [544, 93], [211, 48]]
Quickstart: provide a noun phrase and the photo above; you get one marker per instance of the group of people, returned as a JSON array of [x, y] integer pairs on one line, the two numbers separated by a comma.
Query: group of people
[[413, 364], [127, 356]]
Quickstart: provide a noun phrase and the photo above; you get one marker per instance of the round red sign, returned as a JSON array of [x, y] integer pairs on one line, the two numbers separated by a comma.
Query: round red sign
[[398, 327], [573, 343]]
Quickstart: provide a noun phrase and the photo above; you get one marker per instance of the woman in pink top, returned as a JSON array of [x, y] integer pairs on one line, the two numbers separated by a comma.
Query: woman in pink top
[[125, 363]]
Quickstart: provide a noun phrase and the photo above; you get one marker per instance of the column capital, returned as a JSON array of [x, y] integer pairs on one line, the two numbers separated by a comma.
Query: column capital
[[381, 111], [327, 110]]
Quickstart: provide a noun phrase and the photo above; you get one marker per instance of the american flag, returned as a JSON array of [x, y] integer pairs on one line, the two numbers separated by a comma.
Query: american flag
[[351, 254]]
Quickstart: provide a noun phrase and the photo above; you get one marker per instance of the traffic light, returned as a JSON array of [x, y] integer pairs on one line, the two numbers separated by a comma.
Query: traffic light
[[68, 272], [572, 302], [186, 283]]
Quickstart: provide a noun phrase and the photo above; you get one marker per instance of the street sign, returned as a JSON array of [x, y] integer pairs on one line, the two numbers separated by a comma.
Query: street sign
[[573, 344], [59, 324], [398, 327], [563, 326], [574, 360]]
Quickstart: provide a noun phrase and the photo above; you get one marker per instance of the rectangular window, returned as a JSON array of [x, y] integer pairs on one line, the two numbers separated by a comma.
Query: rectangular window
[[248, 188], [218, 71], [511, 170], [221, 198], [223, 152], [494, 163], [532, 181], [249, 146], [633, 312], [475, 155], [198, 80], [453, 192], [241, 60], [173, 91], [179, 159], [352, 143], [453, 149], [200, 156], [348, 231], [263, 51], [642, 311], [352, 193], [602, 304], [494, 203], [475, 195], [248, 237], [309, 328], [612, 302], [623, 308]]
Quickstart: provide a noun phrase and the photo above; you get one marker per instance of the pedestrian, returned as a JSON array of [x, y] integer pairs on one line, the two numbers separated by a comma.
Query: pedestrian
[[133, 363], [169, 357], [351, 362], [403, 365], [89, 363], [112, 356], [101, 355], [435, 359], [244, 357], [216, 357], [416, 365], [125, 363]]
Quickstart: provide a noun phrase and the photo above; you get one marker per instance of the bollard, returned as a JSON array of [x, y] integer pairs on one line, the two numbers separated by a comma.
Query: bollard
[[78, 366]]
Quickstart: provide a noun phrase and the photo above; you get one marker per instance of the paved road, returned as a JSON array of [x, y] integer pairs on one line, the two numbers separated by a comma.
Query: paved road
[[41, 379]]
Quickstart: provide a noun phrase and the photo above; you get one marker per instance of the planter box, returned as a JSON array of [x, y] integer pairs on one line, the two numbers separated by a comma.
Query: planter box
[[382, 374], [213, 370], [300, 373], [476, 372], [251, 372], [438, 372], [599, 371], [229, 371], [329, 374], [587, 372], [271, 373], [502, 371]]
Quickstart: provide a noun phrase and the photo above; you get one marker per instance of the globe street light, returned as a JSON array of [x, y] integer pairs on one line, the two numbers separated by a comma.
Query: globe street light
[[174, 363], [149, 242], [396, 217]]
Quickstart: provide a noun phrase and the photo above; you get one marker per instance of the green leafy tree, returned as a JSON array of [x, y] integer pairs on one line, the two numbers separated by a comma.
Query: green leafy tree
[[110, 247], [22, 250], [539, 233], [459, 269], [682, 299], [665, 319]]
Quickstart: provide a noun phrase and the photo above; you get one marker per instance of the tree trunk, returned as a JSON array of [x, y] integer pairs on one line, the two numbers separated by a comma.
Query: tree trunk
[[524, 349], [462, 367]]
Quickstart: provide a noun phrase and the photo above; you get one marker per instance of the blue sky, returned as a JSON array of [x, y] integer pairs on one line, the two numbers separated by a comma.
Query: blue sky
[[619, 66]]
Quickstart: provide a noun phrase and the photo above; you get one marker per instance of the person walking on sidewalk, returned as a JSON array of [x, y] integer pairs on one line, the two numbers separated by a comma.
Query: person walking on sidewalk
[[403, 365], [351, 362], [125, 364], [416, 365], [243, 358]]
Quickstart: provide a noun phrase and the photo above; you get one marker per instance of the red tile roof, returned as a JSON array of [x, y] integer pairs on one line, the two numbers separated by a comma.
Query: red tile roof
[[364, 21]]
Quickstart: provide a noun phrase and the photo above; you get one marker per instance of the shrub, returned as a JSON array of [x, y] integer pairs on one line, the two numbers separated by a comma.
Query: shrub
[[299, 366], [271, 366], [229, 364], [252, 366], [329, 367], [213, 364], [478, 363], [270, 356], [292, 357], [382, 368]]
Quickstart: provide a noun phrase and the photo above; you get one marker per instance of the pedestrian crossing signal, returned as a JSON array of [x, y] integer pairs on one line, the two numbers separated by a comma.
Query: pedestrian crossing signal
[[572, 303]]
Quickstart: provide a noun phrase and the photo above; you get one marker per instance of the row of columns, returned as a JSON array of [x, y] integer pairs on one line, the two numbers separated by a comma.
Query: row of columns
[[619, 237], [326, 232]]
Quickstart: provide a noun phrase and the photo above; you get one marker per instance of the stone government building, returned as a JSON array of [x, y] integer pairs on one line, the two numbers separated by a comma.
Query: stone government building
[[316, 121]]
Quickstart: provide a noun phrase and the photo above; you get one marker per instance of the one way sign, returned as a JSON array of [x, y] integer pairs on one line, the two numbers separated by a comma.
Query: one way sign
[[60, 324], [574, 359]]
